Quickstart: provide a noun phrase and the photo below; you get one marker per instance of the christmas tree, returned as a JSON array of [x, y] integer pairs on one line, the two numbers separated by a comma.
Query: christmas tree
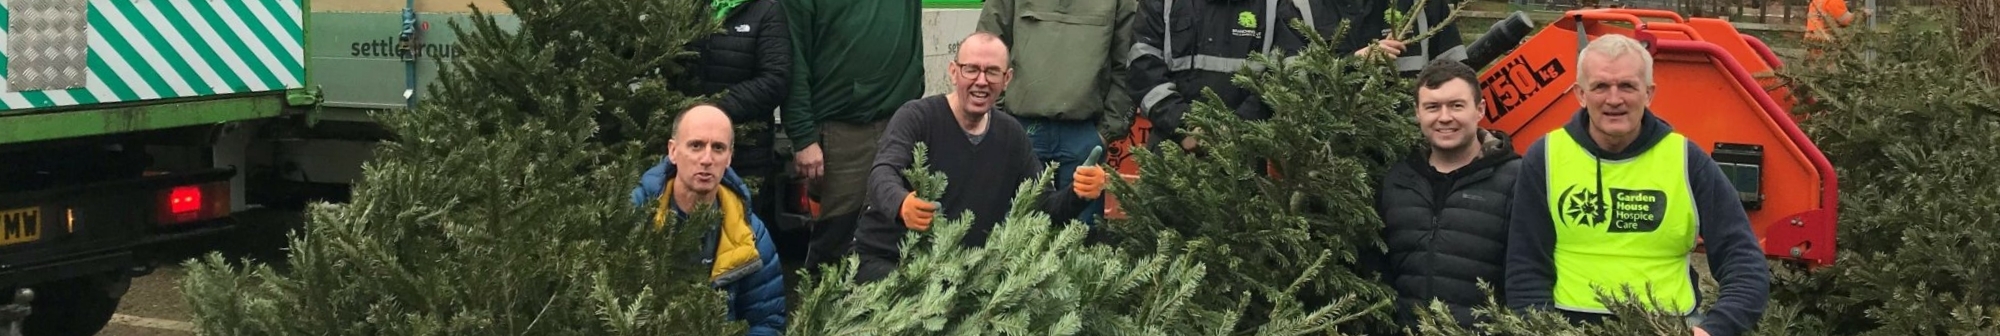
[[1908, 125], [503, 205], [1270, 197], [1034, 278]]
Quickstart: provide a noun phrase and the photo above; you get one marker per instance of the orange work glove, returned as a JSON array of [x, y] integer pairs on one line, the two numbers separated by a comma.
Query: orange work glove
[[917, 213], [1088, 182]]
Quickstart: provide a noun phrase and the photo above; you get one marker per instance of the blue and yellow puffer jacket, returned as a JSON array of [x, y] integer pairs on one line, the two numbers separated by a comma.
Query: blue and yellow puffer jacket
[[745, 261]]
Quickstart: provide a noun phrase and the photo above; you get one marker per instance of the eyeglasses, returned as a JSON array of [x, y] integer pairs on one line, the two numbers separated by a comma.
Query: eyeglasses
[[968, 71]]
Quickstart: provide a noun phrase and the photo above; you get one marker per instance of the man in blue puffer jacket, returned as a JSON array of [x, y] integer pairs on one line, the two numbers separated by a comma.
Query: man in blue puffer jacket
[[742, 260]]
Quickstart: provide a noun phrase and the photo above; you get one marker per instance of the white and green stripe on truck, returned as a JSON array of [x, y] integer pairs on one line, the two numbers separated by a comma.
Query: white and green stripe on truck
[[93, 67], [160, 49]]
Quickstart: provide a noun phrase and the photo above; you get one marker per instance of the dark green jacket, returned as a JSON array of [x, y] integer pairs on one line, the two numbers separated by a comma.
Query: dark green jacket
[[1069, 58], [852, 62]]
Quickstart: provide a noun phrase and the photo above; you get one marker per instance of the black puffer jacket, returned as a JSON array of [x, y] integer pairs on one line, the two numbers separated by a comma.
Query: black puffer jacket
[[1447, 231], [751, 60]]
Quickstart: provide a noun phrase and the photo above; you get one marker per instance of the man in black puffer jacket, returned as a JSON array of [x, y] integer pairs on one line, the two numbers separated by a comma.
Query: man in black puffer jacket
[[749, 63], [1445, 208]]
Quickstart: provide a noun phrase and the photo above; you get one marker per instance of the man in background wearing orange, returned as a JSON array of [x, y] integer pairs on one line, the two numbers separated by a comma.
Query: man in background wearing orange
[[1820, 10]]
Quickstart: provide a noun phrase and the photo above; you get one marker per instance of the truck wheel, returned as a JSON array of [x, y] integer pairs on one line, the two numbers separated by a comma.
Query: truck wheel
[[79, 306]]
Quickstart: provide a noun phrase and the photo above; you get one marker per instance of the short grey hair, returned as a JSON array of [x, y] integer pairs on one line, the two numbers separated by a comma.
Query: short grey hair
[[1612, 46]]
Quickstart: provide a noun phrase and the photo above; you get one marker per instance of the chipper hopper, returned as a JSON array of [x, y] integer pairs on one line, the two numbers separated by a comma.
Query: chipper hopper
[[1709, 88]]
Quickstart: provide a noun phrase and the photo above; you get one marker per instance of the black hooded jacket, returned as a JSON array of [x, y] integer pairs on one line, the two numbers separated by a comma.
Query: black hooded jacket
[[1446, 232], [749, 62]]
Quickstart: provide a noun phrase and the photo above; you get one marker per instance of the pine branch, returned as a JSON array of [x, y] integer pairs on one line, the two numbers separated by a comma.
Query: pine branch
[[1266, 230], [928, 184], [1027, 279]]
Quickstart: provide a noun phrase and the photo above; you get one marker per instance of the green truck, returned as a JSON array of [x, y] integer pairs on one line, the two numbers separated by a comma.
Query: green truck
[[127, 127], [133, 127]]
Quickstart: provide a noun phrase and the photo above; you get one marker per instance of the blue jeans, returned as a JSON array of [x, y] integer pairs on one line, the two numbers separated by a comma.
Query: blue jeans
[[1067, 143]]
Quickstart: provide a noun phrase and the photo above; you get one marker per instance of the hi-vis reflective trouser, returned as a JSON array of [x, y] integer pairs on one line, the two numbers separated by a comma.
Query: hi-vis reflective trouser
[[1622, 223]]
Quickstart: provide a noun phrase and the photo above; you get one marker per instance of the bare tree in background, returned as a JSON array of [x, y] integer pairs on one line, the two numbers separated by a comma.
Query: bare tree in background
[[1981, 19]]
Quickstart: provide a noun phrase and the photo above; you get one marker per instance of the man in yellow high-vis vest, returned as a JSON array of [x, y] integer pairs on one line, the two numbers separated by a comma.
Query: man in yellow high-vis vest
[[1616, 198]]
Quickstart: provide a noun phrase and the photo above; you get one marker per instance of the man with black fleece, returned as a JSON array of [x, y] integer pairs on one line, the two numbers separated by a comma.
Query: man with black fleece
[[984, 153], [1617, 199]]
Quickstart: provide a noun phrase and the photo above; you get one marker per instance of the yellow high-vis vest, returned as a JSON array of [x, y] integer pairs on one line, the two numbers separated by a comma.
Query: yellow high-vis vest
[[1622, 223]]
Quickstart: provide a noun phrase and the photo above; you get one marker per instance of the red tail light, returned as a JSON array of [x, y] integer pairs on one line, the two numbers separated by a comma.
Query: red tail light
[[184, 200], [193, 203]]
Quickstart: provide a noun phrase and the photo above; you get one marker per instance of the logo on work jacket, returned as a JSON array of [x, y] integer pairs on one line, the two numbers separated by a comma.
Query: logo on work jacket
[[1249, 22], [1624, 210]]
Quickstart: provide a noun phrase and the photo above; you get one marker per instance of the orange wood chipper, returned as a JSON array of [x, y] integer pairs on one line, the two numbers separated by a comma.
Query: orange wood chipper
[[1708, 89]]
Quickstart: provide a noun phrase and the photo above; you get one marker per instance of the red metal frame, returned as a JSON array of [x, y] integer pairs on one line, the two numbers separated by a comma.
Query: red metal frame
[[1764, 50], [1812, 228]]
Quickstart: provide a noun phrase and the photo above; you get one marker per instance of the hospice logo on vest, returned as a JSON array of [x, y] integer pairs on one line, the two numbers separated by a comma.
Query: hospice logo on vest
[[1624, 211]]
